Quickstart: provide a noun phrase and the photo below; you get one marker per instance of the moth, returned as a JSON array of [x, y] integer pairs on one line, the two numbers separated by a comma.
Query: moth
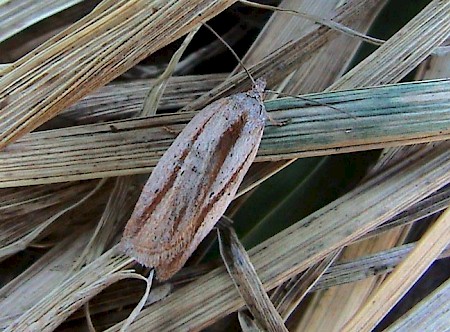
[[195, 181]]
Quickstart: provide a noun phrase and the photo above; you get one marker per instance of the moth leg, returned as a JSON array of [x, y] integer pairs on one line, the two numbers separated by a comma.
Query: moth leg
[[278, 123], [171, 130], [224, 221]]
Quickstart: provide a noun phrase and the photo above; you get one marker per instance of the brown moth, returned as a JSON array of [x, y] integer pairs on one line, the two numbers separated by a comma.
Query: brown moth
[[195, 181]]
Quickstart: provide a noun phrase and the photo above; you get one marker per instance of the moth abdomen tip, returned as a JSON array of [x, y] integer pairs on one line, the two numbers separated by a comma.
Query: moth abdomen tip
[[129, 249]]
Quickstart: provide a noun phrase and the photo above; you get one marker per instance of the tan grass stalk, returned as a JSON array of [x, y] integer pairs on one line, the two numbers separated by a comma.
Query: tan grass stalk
[[23, 239], [21, 201], [73, 292], [399, 55], [26, 210], [247, 323], [429, 315], [17, 15], [120, 204], [118, 296], [434, 241], [151, 102], [403, 51], [292, 292], [282, 28], [90, 53], [304, 243], [386, 116], [124, 99], [435, 203], [378, 263], [278, 65], [247, 282], [24, 291]]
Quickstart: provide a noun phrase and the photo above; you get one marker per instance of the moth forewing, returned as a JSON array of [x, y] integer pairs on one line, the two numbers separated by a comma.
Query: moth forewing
[[195, 181]]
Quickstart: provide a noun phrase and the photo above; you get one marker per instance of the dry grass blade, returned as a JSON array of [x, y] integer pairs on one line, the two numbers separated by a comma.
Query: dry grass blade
[[431, 205], [289, 295], [403, 277], [279, 64], [431, 314], [390, 156], [434, 67], [18, 15], [329, 62], [23, 239], [41, 278], [379, 263], [143, 300], [156, 92], [319, 20], [387, 116], [122, 295], [332, 60], [301, 245], [4, 68], [389, 63], [44, 203], [247, 282], [247, 323], [17, 202], [281, 29], [78, 289], [68, 66], [333, 25], [340, 273], [119, 206], [124, 99], [404, 51], [345, 301]]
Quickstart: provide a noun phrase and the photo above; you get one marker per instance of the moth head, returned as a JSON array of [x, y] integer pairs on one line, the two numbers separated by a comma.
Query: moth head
[[258, 88]]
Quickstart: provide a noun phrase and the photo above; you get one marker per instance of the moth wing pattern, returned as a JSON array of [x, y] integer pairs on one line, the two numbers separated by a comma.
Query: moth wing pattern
[[194, 182]]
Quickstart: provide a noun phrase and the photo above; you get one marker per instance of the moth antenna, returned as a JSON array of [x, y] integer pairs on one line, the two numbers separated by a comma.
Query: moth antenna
[[319, 20], [314, 102], [254, 82], [233, 52]]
